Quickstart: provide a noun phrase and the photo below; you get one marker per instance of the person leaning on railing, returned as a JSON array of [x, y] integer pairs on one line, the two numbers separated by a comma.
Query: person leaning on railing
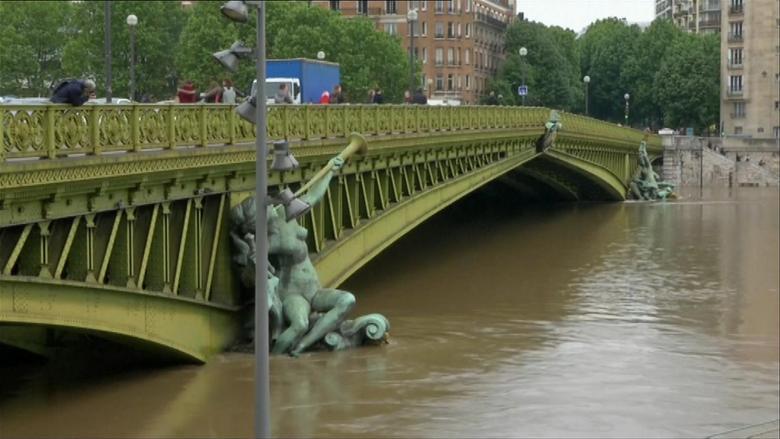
[[75, 92]]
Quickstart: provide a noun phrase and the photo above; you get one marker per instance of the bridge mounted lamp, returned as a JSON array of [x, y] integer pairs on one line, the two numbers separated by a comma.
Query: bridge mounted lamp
[[586, 80], [411, 17], [626, 97], [523, 52], [255, 110]]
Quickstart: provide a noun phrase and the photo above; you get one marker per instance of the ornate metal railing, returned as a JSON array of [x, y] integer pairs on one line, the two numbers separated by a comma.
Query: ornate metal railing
[[52, 131]]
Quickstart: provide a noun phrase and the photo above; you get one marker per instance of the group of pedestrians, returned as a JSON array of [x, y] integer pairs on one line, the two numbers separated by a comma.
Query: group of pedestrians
[[216, 93], [417, 98]]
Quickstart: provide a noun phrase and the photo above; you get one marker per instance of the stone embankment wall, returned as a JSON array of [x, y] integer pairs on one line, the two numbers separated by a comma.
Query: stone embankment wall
[[690, 161]]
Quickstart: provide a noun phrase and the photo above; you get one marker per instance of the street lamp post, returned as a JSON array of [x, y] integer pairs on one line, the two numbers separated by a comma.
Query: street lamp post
[[411, 17], [237, 11], [132, 21], [107, 46], [586, 80], [523, 52], [626, 97]]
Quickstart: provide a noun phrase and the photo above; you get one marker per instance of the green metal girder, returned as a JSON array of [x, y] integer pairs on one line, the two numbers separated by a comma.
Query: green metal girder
[[346, 256], [134, 246], [192, 329]]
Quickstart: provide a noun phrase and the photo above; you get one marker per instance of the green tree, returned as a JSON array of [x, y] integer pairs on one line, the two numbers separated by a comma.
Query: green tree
[[550, 69], [157, 35], [206, 32], [368, 58], [31, 45], [639, 70], [604, 49], [687, 84]]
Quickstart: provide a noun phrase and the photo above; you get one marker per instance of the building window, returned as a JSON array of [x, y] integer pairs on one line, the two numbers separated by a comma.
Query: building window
[[439, 30], [391, 28], [450, 82], [450, 29], [777, 105], [468, 30], [414, 4], [739, 110], [735, 31], [363, 7], [735, 57], [334, 5], [439, 7], [468, 5], [735, 83], [439, 82], [451, 6], [737, 130], [425, 28], [760, 129], [391, 7], [467, 56], [439, 56], [468, 79], [425, 55], [450, 56], [776, 132], [424, 5], [457, 56]]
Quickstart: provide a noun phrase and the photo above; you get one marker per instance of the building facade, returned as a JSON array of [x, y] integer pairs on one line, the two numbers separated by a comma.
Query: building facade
[[750, 68], [691, 15], [460, 43]]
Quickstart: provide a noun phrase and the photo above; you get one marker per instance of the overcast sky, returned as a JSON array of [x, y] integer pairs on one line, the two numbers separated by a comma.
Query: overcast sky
[[576, 14]]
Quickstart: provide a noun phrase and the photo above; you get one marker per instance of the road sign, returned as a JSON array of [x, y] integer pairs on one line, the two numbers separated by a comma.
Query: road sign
[[522, 90]]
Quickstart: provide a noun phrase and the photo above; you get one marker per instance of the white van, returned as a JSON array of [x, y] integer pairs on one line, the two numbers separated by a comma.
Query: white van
[[272, 87]]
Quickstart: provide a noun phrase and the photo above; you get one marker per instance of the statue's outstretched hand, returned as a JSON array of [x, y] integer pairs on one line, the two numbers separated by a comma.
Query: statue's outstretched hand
[[336, 163]]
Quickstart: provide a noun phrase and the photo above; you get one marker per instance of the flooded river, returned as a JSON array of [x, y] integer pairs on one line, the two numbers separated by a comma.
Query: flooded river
[[599, 320]]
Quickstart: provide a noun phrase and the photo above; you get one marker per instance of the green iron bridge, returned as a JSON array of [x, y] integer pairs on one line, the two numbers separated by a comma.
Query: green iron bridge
[[114, 219]]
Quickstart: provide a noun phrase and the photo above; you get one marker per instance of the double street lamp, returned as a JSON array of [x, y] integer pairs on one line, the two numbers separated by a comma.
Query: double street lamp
[[626, 97], [586, 80], [523, 52], [132, 22], [411, 17]]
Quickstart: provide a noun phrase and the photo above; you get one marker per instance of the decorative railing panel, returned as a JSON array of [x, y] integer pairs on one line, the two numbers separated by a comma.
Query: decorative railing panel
[[51, 131]]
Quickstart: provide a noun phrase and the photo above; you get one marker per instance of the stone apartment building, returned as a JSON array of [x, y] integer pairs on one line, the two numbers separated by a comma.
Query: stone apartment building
[[750, 68], [691, 15], [459, 42]]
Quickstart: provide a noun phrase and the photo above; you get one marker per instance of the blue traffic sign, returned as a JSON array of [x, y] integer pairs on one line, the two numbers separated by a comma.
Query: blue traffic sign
[[522, 90]]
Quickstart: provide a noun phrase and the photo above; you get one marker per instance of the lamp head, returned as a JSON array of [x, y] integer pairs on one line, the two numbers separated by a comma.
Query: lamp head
[[229, 57], [283, 158], [293, 206], [320, 55], [235, 10], [248, 110], [586, 79], [523, 51], [132, 20], [626, 96], [411, 15]]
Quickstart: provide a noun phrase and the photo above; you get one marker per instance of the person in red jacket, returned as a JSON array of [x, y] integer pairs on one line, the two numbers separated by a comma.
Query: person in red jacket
[[187, 93], [325, 98]]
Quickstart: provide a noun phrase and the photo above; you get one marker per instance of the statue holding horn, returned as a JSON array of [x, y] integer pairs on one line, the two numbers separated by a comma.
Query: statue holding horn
[[310, 311]]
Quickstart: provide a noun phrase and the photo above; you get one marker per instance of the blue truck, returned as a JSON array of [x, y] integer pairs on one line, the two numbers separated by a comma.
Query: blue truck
[[306, 79]]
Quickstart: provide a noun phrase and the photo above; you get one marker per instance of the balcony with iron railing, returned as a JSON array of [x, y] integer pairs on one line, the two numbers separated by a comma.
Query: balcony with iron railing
[[736, 10], [487, 19], [737, 115], [735, 36], [735, 65], [734, 92]]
